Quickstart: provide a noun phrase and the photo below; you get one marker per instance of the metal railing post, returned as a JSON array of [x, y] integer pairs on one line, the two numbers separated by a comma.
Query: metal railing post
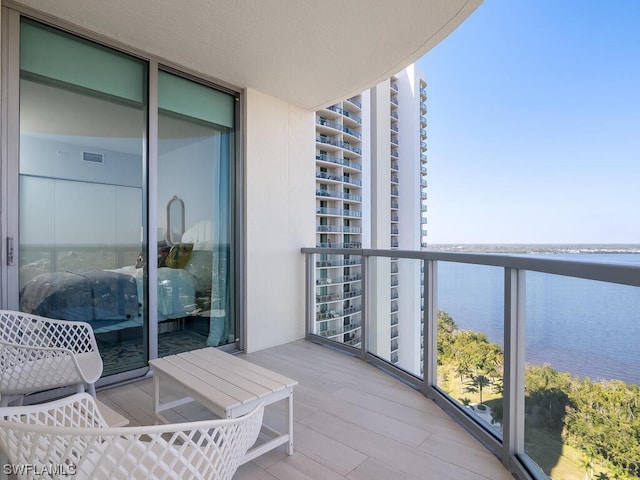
[[430, 337], [310, 289], [364, 312], [514, 364]]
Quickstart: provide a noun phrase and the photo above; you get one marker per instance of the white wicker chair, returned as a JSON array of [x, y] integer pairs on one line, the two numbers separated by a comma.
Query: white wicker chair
[[70, 437], [38, 353]]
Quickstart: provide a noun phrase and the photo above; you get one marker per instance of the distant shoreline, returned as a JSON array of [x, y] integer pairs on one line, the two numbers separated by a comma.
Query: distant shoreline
[[536, 248]]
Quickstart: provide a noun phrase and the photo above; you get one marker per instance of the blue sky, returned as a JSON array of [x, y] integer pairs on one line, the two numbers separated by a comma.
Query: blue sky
[[534, 124]]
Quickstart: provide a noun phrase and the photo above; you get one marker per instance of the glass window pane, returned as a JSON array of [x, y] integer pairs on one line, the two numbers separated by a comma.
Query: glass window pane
[[470, 337], [81, 190], [195, 266]]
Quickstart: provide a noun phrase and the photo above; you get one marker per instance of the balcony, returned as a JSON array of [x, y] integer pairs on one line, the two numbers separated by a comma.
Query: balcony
[[345, 113], [353, 425], [339, 144], [336, 126], [355, 101], [338, 161], [339, 178], [338, 211], [335, 194], [506, 288], [338, 229]]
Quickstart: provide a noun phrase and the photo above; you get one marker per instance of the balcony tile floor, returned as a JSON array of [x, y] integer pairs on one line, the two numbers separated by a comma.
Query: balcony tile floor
[[351, 421]]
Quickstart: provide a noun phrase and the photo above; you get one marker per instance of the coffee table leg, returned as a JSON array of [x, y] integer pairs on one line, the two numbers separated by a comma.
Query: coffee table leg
[[288, 413], [156, 393]]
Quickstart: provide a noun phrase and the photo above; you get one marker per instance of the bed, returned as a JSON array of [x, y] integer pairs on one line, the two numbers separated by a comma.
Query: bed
[[108, 299], [191, 281]]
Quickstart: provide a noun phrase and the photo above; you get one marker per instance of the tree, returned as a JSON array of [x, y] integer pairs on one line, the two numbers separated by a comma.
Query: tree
[[477, 384]]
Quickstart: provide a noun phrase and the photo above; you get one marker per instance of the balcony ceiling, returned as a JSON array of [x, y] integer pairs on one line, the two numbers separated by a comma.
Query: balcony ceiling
[[305, 52]]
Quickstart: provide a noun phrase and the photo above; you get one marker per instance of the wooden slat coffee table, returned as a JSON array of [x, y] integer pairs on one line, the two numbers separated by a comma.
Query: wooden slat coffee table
[[228, 386]]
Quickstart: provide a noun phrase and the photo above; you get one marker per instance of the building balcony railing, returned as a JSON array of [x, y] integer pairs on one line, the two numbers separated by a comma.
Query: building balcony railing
[[339, 143], [394, 115], [483, 299], [355, 101], [339, 178], [354, 117], [394, 100], [394, 204], [338, 161], [423, 121], [423, 157], [337, 126], [394, 217], [338, 262], [339, 212], [350, 327], [336, 280], [334, 194], [333, 314], [345, 245], [423, 93], [423, 170], [338, 229]]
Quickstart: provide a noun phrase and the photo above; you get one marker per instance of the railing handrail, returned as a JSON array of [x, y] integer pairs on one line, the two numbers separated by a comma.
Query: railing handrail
[[619, 273]]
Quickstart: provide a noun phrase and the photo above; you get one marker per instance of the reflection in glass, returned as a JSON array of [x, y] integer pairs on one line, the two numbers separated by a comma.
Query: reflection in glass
[[81, 189], [195, 231], [339, 298]]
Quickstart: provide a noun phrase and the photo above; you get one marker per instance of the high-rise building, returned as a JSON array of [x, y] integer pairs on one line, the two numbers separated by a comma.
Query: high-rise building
[[371, 193]]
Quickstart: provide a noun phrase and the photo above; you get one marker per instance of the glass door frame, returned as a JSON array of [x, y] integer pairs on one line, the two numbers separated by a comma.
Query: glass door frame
[[9, 170]]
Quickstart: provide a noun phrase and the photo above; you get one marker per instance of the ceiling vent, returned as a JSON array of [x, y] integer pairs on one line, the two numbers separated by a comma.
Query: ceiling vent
[[93, 157]]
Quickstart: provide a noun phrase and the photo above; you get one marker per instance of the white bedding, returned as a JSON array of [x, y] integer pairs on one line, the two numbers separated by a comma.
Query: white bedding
[[176, 291]]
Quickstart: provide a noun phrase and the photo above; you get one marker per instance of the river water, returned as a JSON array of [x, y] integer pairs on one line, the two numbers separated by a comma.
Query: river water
[[579, 326]]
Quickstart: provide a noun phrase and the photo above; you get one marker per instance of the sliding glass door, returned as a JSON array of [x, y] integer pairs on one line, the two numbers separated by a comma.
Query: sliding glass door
[[94, 179], [81, 189]]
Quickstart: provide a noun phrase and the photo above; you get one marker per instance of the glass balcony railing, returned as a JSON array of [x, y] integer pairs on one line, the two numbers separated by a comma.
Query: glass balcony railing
[[338, 160], [354, 117], [338, 143], [345, 245], [338, 211], [355, 101], [334, 194], [339, 178], [338, 228], [536, 355], [337, 126]]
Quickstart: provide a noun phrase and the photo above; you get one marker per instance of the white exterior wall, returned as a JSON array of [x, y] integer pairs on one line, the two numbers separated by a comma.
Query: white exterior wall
[[409, 239], [380, 167], [279, 220], [366, 169], [409, 149]]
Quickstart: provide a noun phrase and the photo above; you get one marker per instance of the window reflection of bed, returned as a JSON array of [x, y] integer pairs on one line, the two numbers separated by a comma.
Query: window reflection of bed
[[111, 300]]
